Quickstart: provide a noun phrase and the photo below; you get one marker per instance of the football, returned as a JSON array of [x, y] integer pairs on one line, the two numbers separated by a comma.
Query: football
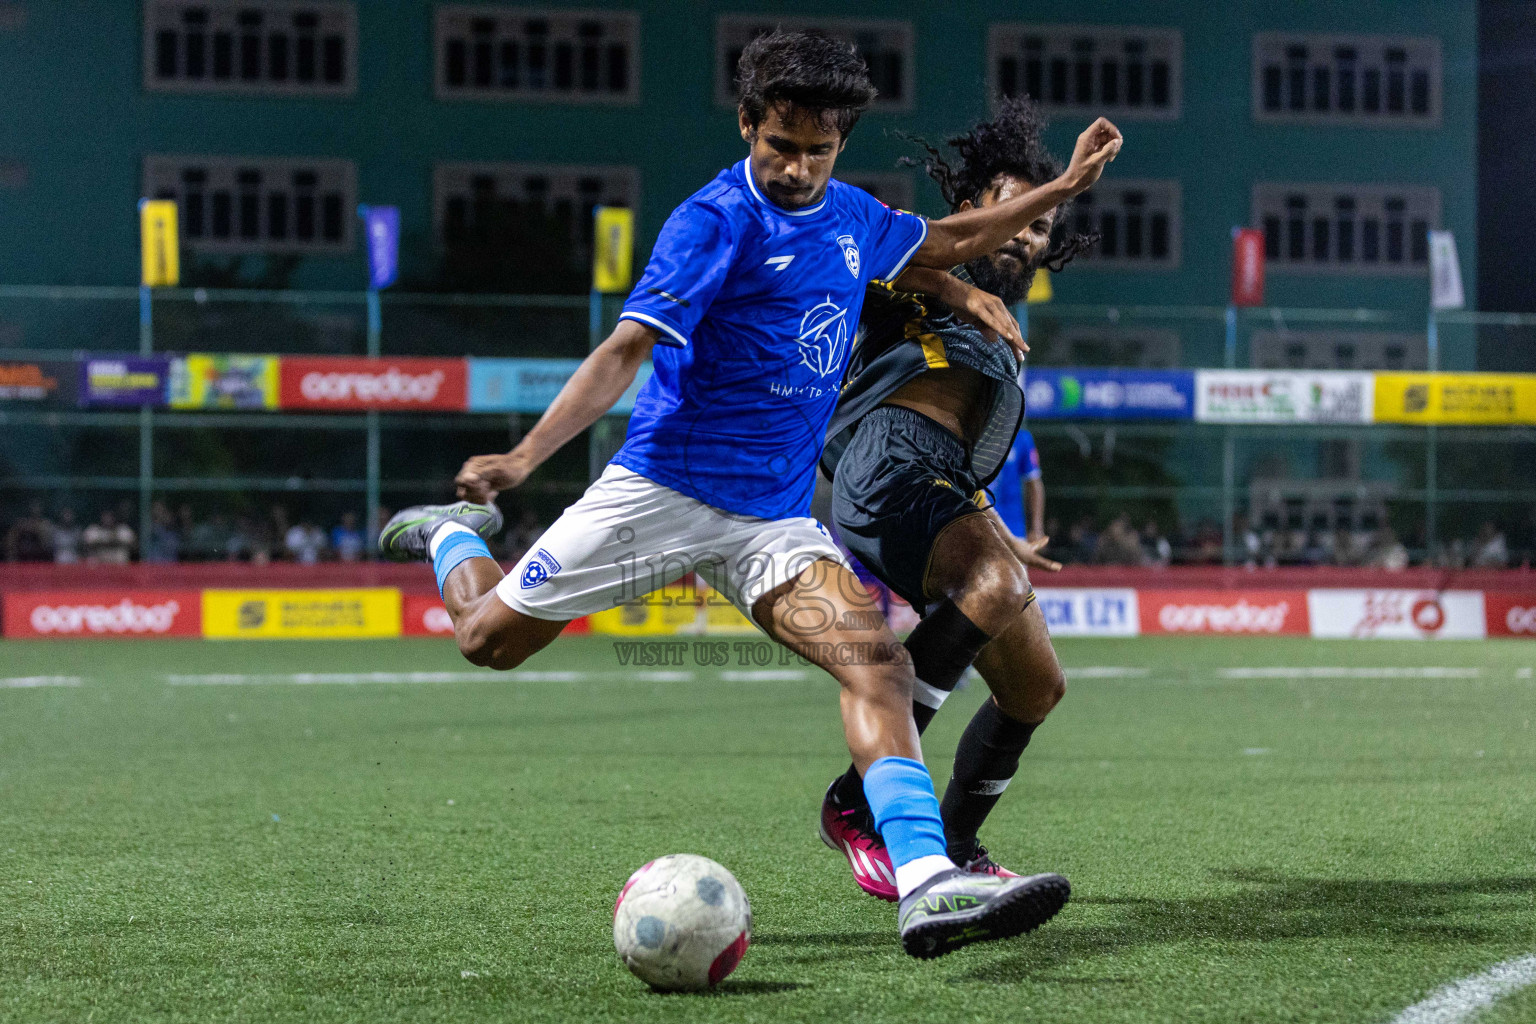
[[682, 923]]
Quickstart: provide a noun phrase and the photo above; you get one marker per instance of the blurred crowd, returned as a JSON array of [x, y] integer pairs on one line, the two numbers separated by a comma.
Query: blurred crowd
[[1369, 543], [179, 535]]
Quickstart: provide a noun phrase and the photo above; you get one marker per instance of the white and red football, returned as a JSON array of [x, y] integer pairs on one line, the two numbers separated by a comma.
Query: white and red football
[[682, 923]]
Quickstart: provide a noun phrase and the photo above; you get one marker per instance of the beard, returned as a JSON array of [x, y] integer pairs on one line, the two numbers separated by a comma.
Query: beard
[[1006, 273]]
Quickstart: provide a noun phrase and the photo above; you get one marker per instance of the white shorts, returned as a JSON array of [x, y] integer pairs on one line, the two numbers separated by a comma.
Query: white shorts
[[629, 535]]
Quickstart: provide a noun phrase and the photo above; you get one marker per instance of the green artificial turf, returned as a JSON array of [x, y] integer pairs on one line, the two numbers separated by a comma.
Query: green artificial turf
[[1260, 849]]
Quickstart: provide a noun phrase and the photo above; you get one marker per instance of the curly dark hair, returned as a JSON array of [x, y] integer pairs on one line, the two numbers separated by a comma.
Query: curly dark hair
[[821, 77], [1011, 143]]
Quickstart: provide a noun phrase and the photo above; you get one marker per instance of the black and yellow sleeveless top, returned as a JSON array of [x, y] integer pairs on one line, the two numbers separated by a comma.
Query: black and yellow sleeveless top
[[902, 335]]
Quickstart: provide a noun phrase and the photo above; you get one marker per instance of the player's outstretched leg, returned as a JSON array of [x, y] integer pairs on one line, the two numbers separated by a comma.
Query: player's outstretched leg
[[452, 538], [983, 592], [826, 616]]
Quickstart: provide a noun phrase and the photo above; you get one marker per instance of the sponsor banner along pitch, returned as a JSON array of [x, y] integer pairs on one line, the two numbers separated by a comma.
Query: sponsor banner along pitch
[[400, 385], [72, 614], [1397, 614], [1234, 612], [361, 613]]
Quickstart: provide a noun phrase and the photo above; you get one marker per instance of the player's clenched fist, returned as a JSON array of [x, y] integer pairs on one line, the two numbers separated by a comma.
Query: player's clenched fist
[[484, 476], [1097, 146]]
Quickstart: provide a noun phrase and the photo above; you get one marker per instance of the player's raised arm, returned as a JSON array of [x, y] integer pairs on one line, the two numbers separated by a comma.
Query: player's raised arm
[[598, 382], [962, 237]]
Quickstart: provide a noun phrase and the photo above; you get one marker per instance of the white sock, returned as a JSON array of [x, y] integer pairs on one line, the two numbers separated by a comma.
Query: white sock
[[441, 534], [915, 872]]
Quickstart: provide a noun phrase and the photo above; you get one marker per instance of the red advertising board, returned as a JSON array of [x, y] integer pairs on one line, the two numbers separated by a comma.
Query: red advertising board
[[1510, 613], [321, 382], [102, 613], [1231, 612], [1247, 267], [425, 616]]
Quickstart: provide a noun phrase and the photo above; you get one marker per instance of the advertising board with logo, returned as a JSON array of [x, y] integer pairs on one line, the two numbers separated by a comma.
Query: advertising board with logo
[[1479, 399], [424, 616], [223, 382], [75, 614], [529, 385], [1511, 613], [127, 382], [399, 385], [1261, 396], [1109, 394], [1093, 611], [1397, 614], [300, 614], [1231, 612], [47, 382]]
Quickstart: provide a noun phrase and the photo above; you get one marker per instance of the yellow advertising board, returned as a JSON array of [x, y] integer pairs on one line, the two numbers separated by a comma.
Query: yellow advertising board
[[159, 244], [224, 382], [1478, 399], [613, 249], [662, 613], [301, 614]]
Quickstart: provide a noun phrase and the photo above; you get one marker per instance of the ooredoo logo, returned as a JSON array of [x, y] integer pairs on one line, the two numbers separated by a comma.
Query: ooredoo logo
[[321, 382], [123, 617], [1241, 617], [390, 386], [1520, 620]]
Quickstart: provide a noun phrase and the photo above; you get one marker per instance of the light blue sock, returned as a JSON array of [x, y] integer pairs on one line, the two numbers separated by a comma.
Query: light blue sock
[[455, 548], [900, 792]]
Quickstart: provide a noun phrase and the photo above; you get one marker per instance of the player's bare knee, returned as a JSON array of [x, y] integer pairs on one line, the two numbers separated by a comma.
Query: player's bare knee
[[1000, 590]]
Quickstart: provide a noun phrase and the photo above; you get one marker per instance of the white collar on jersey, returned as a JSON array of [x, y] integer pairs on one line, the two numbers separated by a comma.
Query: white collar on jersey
[[746, 172]]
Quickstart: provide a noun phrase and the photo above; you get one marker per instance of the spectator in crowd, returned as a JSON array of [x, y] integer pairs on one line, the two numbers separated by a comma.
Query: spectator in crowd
[[347, 540], [30, 539], [209, 540], [1490, 550], [305, 542], [164, 538], [1341, 547], [1247, 540], [108, 542], [1156, 550], [1118, 544], [66, 539], [1386, 551]]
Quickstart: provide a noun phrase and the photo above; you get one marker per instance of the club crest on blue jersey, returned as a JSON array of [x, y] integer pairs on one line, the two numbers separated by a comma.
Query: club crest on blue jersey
[[850, 253], [540, 568], [823, 337]]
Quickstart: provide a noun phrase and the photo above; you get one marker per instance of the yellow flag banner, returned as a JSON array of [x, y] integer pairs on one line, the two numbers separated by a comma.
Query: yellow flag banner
[[613, 249], [1039, 288], [1476, 399], [161, 249]]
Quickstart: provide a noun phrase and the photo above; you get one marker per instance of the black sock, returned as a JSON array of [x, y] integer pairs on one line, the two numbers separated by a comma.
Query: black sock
[[985, 762], [942, 647]]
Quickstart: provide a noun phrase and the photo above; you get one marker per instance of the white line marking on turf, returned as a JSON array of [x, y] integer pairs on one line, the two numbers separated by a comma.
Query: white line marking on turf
[[1460, 1000], [762, 675], [31, 682], [1339, 672], [1106, 671], [325, 678]]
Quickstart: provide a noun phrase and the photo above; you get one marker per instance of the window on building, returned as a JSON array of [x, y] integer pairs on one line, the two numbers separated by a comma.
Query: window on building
[[1347, 79], [1347, 229], [1139, 223], [525, 53], [1089, 69], [294, 47], [892, 188], [1337, 350], [886, 47], [261, 204], [544, 207]]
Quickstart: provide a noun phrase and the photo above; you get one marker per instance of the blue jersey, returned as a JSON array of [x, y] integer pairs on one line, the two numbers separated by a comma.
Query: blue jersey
[[1022, 463], [757, 306]]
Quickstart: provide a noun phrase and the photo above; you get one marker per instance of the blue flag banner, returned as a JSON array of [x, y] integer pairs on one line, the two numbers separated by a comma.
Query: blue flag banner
[[1109, 394], [382, 226]]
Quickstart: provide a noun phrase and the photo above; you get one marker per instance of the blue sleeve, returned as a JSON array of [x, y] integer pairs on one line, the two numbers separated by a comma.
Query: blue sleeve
[[1029, 456], [692, 257], [893, 237]]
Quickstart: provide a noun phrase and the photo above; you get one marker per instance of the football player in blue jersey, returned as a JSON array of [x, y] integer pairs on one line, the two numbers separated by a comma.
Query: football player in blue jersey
[[928, 418], [747, 309]]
